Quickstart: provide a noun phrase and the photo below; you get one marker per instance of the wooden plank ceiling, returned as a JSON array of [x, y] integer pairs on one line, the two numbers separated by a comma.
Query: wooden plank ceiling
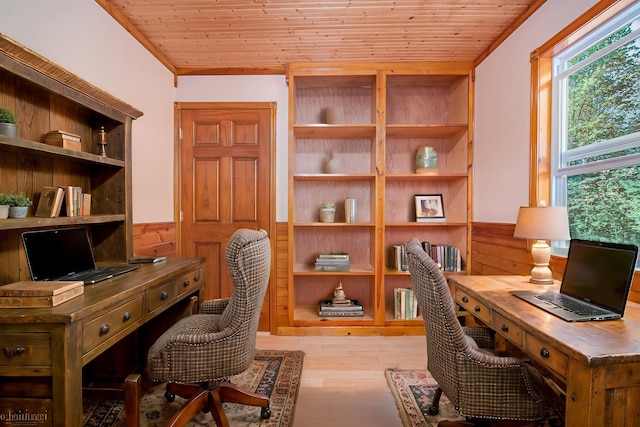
[[262, 36]]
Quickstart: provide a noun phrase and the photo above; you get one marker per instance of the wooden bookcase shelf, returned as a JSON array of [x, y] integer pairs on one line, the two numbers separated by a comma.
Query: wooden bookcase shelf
[[354, 133], [45, 97]]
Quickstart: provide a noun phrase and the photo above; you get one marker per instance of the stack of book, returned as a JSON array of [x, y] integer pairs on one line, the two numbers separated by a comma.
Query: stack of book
[[342, 308], [332, 262], [60, 138], [406, 304]]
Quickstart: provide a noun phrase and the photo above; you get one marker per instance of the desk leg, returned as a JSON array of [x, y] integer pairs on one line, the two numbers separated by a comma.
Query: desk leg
[[132, 400], [66, 378], [586, 395]]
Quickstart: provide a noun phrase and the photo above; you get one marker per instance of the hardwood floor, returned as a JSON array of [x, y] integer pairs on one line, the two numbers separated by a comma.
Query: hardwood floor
[[343, 380]]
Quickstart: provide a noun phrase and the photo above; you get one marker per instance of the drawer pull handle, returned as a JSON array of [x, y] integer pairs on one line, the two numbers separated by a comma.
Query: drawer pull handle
[[477, 308], [126, 316], [164, 295], [186, 283], [544, 353], [465, 299], [505, 328], [196, 277], [104, 329], [10, 352]]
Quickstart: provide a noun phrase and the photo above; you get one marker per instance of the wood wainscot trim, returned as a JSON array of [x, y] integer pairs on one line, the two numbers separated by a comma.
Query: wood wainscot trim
[[154, 239]]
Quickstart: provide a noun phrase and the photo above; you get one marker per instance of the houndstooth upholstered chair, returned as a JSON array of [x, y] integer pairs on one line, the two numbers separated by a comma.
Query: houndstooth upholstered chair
[[480, 384], [198, 354]]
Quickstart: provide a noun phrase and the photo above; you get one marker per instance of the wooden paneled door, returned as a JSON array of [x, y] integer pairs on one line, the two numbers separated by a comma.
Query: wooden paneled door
[[225, 155]]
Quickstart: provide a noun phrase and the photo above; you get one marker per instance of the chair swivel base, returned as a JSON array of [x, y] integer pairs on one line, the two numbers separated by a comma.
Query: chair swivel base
[[209, 398]]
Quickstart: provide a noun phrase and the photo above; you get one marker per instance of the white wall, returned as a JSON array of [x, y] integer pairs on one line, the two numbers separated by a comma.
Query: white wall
[[248, 89], [502, 111], [80, 36]]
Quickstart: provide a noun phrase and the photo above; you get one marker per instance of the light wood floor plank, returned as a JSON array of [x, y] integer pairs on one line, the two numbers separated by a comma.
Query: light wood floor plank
[[343, 382]]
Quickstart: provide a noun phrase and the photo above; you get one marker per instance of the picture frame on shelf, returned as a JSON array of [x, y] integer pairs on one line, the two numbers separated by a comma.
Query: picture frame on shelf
[[429, 208]]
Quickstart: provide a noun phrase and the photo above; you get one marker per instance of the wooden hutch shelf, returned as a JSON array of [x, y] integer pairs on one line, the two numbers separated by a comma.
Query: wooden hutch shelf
[[45, 97]]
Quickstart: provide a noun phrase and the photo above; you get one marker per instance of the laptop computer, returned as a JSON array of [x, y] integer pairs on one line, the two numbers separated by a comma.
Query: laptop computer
[[66, 254], [595, 285]]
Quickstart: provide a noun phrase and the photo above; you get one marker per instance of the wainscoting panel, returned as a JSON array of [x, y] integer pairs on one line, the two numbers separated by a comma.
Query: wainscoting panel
[[154, 239]]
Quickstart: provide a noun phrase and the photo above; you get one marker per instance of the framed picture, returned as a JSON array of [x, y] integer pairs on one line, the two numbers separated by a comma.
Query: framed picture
[[429, 208]]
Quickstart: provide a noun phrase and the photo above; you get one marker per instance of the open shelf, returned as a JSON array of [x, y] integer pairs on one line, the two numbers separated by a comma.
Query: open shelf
[[355, 134]]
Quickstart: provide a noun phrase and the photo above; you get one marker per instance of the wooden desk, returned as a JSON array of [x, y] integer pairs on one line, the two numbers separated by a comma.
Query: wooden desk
[[598, 361], [44, 350]]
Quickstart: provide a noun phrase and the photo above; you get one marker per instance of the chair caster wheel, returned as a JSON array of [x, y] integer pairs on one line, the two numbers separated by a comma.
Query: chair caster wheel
[[169, 396], [265, 413], [433, 410]]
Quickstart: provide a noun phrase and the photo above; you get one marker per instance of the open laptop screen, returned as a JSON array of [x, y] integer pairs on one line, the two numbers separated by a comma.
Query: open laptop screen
[[52, 254], [600, 273]]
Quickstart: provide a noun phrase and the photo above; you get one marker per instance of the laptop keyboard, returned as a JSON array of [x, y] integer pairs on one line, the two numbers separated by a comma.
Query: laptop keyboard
[[575, 306]]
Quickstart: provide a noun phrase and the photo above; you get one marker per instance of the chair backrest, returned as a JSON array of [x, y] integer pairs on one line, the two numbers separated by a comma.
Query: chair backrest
[[445, 336], [249, 261]]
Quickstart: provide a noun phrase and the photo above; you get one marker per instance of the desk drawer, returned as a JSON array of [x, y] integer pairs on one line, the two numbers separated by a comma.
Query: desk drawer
[[26, 349], [161, 295], [474, 307], [102, 328], [507, 329], [189, 281], [553, 358]]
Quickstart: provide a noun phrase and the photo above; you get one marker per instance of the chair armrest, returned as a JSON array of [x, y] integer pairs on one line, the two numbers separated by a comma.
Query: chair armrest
[[213, 306], [508, 375], [484, 337]]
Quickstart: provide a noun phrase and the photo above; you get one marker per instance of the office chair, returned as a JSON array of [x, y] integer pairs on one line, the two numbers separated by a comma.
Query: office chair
[[198, 354], [479, 384]]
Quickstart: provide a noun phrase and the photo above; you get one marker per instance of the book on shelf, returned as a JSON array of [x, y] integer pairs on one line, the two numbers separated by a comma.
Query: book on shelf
[[405, 304], [86, 204], [399, 258], [64, 139], [331, 267], [348, 305], [50, 202], [39, 293], [447, 257], [337, 255], [430, 219], [341, 313], [332, 262]]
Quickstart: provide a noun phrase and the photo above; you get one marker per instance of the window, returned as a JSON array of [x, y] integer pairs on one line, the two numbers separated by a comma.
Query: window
[[595, 132]]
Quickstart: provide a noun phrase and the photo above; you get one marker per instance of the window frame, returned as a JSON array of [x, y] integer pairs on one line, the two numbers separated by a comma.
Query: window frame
[[542, 95], [542, 92]]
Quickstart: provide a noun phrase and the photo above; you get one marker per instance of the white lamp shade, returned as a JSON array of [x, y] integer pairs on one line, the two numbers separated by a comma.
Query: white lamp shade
[[542, 223]]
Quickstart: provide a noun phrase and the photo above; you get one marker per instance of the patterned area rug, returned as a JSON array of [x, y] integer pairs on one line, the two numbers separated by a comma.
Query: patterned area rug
[[273, 373], [413, 392]]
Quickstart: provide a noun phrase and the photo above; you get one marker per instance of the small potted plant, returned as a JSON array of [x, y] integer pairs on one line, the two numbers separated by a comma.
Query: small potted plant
[[18, 205], [8, 124], [327, 212], [4, 206]]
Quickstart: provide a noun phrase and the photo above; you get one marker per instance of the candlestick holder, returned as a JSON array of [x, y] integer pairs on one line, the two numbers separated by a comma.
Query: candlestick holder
[[102, 142]]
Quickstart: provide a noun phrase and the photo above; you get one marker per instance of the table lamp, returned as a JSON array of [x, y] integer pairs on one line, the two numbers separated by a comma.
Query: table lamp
[[542, 223]]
